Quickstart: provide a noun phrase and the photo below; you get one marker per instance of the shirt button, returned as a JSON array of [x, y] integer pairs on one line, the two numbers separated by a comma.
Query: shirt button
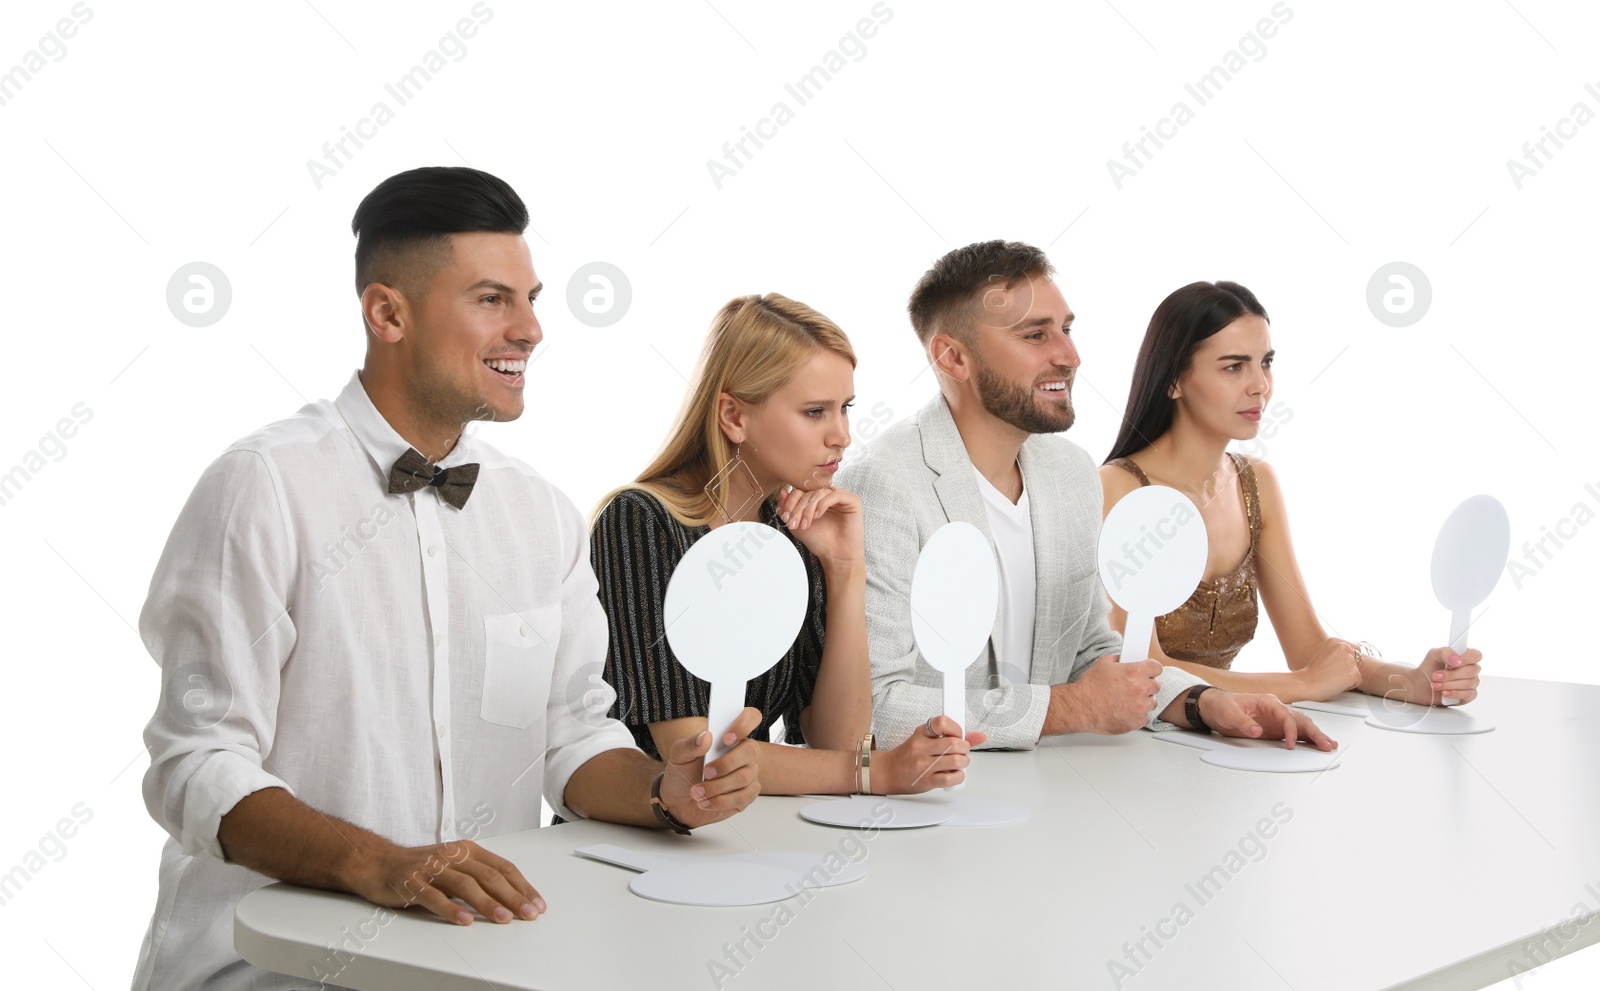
[[433, 549], [438, 639], [443, 733], [522, 630]]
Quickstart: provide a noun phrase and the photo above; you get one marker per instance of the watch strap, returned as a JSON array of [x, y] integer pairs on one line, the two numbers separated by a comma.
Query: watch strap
[[1191, 707], [663, 816]]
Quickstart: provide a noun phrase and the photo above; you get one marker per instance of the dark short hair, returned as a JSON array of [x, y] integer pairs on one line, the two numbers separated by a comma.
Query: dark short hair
[[1183, 322], [403, 226], [943, 301]]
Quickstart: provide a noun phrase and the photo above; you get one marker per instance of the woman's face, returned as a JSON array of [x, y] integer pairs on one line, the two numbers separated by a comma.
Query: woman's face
[[798, 435], [1228, 383]]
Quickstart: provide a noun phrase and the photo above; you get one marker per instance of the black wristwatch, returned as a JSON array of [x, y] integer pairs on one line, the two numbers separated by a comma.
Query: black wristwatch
[[663, 816], [1191, 707]]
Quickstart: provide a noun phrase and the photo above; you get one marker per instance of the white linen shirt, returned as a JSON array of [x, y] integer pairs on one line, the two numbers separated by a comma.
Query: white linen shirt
[[422, 671]]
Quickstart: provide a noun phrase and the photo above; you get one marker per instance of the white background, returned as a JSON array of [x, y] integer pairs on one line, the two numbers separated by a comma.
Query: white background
[[1367, 133]]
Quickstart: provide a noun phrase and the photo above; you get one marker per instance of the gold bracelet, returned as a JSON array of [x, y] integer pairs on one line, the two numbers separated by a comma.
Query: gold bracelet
[[864, 761], [857, 779]]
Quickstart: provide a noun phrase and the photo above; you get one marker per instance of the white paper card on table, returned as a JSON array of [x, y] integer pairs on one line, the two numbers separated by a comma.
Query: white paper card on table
[[877, 812], [634, 860], [1301, 758], [1407, 717], [718, 884], [1468, 559], [812, 866], [1153, 552], [734, 606], [1345, 704], [1253, 755], [955, 590]]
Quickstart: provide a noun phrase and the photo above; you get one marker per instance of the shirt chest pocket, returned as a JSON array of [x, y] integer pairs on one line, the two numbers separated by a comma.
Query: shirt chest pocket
[[518, 662]]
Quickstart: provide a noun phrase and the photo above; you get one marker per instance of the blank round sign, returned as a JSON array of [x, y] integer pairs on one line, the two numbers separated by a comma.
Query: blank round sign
[[955, 590], [1470, 553], [1152, 550], [735, 602], [734, 606]]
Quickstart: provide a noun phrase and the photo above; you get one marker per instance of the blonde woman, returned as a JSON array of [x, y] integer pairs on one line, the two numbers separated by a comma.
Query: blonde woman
[[759, 437]]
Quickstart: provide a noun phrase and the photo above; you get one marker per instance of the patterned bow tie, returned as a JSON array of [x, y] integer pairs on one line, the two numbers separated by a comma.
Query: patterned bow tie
[[413, 471]]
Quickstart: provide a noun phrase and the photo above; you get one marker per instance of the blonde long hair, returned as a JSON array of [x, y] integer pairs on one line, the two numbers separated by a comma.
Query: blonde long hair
[[756, 344]]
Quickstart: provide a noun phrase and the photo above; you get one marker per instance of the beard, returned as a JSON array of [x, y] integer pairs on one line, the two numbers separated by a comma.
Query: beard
[[441, 402], [1015, 405]]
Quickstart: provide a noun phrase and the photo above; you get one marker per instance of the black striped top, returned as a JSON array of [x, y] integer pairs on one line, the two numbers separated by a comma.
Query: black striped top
[[634, 547]]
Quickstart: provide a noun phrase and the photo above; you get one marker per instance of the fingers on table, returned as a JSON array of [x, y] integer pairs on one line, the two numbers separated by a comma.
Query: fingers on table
[[493, 893]]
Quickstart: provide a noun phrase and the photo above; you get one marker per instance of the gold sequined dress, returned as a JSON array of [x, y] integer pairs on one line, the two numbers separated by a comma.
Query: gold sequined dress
[[1220, 617]]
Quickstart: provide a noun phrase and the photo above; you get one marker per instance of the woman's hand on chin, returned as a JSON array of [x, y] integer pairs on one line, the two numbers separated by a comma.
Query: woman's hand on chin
[[828, 522]]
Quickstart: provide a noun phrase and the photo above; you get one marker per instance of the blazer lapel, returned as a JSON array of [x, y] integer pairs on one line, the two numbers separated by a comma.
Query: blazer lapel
[[1049, 567]]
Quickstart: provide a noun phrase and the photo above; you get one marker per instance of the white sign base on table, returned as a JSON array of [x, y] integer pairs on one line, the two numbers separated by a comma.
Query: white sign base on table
[[1344, 704], [875, 811], [843, 871], [1405, 717], [718, 884], [1427, 719], [971, 811], [1253, 755], [813, 867]]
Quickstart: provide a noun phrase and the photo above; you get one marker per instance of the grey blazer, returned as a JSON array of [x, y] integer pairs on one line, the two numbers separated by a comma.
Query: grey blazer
[[917, 477]]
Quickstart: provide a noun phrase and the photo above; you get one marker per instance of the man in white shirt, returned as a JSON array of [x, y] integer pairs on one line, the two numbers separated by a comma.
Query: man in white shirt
[[379, 637], [997, 332]]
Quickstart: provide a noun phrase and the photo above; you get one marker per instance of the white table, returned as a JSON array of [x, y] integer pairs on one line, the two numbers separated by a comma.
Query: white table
[[1420, 862]]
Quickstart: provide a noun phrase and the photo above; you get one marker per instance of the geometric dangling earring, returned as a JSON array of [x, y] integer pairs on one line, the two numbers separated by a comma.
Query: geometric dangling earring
[[721, 476]]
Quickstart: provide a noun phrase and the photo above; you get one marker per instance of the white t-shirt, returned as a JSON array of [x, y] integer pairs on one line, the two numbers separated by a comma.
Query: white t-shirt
[[1012, 527]]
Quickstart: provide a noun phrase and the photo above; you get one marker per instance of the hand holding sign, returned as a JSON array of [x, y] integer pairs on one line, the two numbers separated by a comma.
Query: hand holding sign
[[955, 590], [734, 607], [1468, 558]]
